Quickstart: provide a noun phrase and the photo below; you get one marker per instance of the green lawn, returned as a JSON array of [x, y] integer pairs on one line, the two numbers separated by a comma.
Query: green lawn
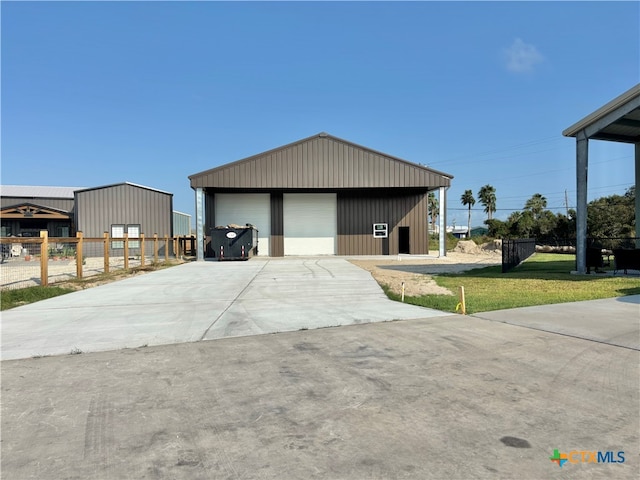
[[543, 279], [23, 296]]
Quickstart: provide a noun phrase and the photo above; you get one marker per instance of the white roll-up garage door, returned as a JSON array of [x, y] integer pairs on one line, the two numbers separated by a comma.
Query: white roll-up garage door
[[243, 208], [310, 223]]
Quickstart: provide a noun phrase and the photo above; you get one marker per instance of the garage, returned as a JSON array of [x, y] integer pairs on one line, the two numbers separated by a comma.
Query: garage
[[310, 223], [323, 195], [240, 209]]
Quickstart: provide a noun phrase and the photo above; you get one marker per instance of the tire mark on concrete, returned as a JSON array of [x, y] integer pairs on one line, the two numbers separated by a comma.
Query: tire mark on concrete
[[98, 434], [326, 269]]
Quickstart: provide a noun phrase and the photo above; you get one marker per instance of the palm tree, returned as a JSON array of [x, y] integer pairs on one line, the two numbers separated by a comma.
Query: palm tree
[[487, 196], [432, 206], [536, 205], [467, 199]]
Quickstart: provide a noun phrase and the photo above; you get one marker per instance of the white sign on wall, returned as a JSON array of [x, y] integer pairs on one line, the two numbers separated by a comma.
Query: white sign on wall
[[380, 230]]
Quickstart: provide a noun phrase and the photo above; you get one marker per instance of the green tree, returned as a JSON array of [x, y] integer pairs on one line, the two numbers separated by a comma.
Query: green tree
[[497, 228], [487, 196], [612, 216], [468, 200], [536, 205]]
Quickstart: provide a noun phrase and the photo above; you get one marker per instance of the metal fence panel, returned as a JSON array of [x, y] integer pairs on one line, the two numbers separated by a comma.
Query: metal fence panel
[[515, 251]]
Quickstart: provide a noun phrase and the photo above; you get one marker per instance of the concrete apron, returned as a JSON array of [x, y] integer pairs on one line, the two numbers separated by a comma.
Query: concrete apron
[[202, 301]]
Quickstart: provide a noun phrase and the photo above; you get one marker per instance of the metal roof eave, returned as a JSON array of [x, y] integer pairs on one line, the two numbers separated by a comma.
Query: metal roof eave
[[607, 115]]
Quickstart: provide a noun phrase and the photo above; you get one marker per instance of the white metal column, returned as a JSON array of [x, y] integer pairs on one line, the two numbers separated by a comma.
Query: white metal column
[[200, 224]]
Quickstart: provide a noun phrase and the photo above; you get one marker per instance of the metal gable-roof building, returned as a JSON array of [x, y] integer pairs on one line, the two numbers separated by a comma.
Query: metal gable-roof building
[[321, 195], [125, 204], [28, 209], [63, 211]]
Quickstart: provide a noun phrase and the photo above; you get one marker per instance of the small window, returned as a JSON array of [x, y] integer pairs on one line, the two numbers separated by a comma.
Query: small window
[[117, 231], [133, 232]]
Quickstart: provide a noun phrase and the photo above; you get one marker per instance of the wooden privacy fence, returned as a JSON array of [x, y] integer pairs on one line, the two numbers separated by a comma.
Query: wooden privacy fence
[[45, 249]]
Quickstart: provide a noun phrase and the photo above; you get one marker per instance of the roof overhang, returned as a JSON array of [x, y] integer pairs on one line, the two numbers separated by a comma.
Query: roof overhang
[[617, 121], [26, 211]]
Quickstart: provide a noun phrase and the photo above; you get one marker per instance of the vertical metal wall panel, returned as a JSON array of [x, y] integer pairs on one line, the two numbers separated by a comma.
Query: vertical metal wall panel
[[277, 226], [57, 203], [320, 162], [99, 208], [181, 223], [358, 211]]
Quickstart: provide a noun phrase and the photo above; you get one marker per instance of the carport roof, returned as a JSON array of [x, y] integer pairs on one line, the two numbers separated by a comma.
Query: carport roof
[[321, 161], [618, 120]]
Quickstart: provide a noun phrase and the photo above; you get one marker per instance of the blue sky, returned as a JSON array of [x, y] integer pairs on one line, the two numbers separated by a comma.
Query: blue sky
[[95, 93]]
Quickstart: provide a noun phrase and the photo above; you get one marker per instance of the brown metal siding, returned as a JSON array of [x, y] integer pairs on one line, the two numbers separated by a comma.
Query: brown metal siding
[[57, 203], [320, 162], [98, 209], [276, 242], [357, 212]]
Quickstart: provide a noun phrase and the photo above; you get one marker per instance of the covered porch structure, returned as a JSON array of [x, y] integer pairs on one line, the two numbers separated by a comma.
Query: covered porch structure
[[617, 121]]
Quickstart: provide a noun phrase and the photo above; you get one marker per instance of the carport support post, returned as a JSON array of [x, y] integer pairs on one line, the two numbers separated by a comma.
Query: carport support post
[[442, 222], [582, 162], [637, 195], [199, 224]]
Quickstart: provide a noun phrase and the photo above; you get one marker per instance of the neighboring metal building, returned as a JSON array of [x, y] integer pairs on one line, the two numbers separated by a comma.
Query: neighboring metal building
[[181, 224], [26, 210], [322, 196], [63, 211], [124, 208]]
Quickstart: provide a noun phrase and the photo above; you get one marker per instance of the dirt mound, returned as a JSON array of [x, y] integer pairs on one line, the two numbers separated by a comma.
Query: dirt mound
[[467, 246]]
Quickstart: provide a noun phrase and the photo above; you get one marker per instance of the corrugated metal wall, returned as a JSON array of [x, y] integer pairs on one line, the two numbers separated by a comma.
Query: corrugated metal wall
[[320, 162], [57, 203], [277, 225], [98, 209], [357, 212], [181, 223]]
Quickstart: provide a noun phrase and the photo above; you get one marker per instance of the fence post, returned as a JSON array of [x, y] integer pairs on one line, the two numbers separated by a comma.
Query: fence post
[[44, 258], [142, 249], [166, 248], [106, 252], [126, 251], [79, 259], [155, 248]]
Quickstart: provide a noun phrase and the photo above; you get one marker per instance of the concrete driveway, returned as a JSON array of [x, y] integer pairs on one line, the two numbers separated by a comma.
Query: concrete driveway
[[446, 397], [202, 301]]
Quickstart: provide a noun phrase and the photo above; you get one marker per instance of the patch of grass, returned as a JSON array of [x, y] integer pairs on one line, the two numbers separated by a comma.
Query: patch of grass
[[544, 278], [23, 296]]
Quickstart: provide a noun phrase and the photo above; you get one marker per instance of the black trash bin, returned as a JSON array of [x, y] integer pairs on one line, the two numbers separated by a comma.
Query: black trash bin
[[234, 242]]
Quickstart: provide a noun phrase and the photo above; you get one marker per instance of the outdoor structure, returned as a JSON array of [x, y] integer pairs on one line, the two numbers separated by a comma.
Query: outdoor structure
[[27, 210], [181, 224], [124, 208], [62, 211], [617, 121], [322, 196]]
